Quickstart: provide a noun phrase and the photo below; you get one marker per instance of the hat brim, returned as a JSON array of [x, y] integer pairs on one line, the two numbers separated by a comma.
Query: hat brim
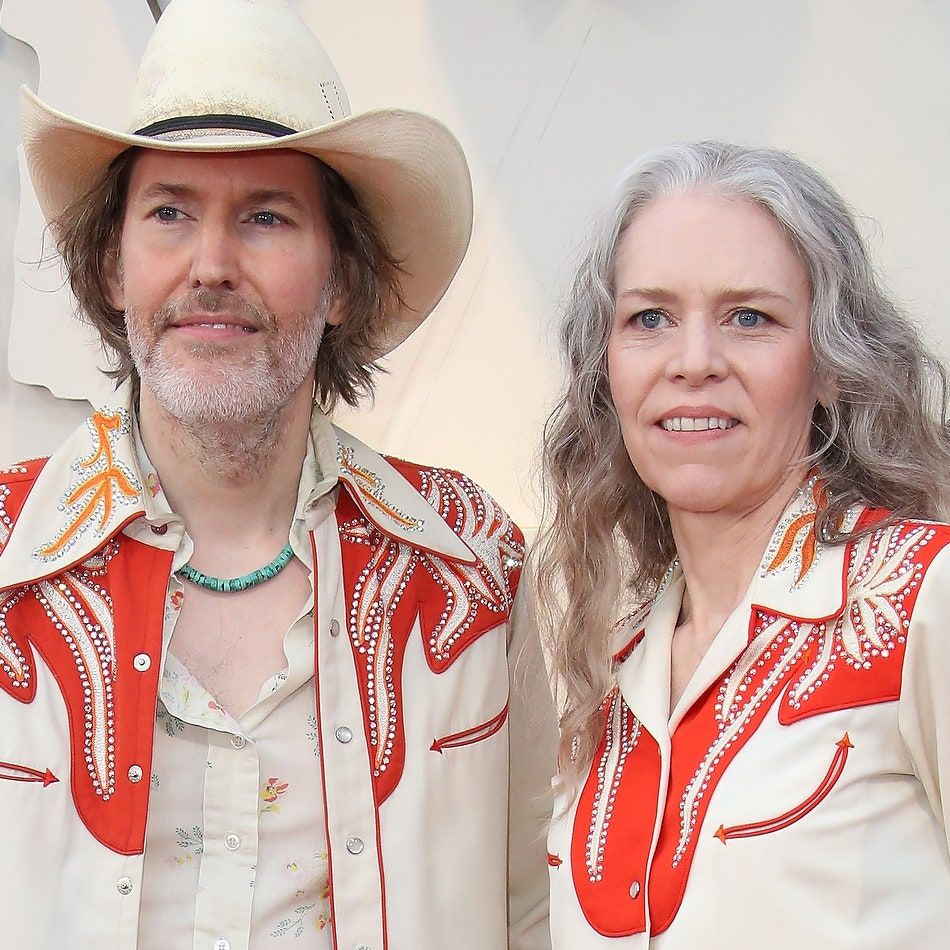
[[406, 169]]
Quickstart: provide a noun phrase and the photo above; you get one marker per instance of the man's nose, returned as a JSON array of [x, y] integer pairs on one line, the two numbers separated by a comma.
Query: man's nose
[[215, 258]]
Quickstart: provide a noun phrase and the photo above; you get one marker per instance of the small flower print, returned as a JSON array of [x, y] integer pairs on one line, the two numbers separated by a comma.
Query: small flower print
[[312, 733], [153, 484], [192, 842], [177, 599], [269, 793], [172, 724]]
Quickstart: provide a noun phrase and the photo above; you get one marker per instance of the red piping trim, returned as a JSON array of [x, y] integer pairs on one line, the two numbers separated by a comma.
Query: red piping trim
[[753, 829], [483, 730], [319, 718]]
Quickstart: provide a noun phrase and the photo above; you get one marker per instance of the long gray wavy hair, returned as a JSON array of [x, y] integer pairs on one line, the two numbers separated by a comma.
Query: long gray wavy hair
[[882, 440]]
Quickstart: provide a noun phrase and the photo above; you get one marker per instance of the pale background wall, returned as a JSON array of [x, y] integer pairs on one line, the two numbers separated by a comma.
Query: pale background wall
[[551, 99]]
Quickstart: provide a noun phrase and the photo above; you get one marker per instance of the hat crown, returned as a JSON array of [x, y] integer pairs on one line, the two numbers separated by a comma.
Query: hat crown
[[250, 58]]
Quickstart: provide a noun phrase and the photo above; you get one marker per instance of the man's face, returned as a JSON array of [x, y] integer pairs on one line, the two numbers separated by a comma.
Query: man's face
[[224, 275]]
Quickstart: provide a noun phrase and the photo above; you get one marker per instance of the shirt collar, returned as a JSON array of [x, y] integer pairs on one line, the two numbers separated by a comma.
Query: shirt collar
[[93, 486]]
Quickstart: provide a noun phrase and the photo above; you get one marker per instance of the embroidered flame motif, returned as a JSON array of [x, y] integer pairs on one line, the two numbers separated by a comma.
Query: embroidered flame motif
[[469, 591], [97, 492], [800, 535], [371, 490]]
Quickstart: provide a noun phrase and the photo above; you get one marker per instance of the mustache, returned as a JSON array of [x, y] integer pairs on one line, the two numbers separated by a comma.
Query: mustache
[[208, 300]]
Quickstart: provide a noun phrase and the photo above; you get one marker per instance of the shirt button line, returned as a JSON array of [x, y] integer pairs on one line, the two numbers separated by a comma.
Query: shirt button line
[[344, 734], [354, 845]]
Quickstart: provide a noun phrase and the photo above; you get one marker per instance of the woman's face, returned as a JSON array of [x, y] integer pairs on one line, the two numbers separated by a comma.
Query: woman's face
[[709, 357]]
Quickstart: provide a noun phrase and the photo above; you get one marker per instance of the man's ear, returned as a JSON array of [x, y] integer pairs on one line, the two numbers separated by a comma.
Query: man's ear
[[336, 312], [112, 272]]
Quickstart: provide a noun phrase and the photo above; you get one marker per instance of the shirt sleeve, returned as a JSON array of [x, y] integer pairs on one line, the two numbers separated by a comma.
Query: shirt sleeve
[[532, 731], [924, 704]]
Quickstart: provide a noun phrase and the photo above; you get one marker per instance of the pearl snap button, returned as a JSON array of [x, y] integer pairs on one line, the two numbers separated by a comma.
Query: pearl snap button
[[334, 628], [232, 841], [135, 773], [142, 662], [124, 886], [238, 742], [344, 734], [635, 890], [354, 845]]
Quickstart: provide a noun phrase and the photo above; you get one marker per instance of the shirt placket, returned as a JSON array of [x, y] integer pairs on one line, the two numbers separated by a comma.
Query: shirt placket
[[356, 876]]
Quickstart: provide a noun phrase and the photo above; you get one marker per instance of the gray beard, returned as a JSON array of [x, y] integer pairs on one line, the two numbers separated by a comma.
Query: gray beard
[[230, 414]]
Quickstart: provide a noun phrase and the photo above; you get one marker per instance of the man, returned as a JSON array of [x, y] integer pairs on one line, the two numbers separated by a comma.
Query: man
[[203, 744]]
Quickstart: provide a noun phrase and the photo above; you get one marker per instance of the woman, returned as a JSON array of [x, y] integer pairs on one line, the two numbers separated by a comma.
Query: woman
[[752, 441]]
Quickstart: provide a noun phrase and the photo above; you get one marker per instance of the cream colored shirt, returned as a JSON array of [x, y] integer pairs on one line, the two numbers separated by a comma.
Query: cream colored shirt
[[235, 849]]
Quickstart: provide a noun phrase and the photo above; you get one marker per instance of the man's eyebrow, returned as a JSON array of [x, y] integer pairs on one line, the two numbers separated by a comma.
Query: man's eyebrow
[[161, 190], [274, 195], [165, 189]]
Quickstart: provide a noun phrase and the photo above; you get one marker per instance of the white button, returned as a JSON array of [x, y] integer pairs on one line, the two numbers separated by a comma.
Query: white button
[[238, 742], [635, 890], [354, 845], [364, 946], [124, 885], [334, 628], [222, 944], [142, 662], [135, 773], [344, 734], [232, 841]]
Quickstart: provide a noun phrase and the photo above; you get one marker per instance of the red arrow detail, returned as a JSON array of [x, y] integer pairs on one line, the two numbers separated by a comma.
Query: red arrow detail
[[23, 773]]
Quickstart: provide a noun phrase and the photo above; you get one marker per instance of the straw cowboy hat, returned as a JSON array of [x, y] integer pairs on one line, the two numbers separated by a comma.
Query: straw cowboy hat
[[237, 75]]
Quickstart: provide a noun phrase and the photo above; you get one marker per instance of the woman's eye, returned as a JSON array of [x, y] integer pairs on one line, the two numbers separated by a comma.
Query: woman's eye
[[749, 319], [167, 214], [267, 218], [649, 319]]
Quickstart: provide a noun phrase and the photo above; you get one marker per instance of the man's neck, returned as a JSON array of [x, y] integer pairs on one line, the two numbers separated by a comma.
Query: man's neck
[[231, 480]]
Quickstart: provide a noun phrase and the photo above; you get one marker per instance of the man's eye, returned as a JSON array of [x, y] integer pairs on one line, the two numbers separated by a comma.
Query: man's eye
[[167, 214], [266, 218], [649, 319], [749, 319]]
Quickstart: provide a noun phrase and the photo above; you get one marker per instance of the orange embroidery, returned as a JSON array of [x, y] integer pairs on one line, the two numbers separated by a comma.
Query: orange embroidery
[[751, 830], [371, 489], [803, 523], [98, 489]]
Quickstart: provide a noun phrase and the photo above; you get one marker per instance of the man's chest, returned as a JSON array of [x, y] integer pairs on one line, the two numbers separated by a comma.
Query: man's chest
[[232, 643]]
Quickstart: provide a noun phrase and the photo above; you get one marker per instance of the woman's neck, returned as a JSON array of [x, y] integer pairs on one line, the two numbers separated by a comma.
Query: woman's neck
[[720, 553]]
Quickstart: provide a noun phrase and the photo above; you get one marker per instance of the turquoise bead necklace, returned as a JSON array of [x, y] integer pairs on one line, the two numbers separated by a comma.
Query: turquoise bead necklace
[[245, 581]]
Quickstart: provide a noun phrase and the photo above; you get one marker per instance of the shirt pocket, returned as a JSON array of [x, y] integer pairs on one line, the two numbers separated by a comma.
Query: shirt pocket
[[477, 733], [767, 826]]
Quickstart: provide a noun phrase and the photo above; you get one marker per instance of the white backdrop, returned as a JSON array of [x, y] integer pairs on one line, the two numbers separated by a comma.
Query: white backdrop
[[550, 99]]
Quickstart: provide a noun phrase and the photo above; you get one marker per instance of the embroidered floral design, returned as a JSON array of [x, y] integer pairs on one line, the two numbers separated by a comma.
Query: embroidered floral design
[[272, 789], [794, 543], [100, 484]]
